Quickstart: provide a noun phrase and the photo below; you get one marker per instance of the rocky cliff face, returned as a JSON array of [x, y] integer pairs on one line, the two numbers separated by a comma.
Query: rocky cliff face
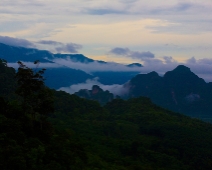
[[97, 94], [178, 90]]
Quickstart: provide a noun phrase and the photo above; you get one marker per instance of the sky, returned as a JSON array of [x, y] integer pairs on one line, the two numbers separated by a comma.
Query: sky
[[123, 31]]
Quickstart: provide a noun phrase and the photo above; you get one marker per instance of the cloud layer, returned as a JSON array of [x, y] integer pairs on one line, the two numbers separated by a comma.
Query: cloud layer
[[116, 89], [201, 67], [95, 66], [59, 47], [18, 42], [53, 46], [132, 54]]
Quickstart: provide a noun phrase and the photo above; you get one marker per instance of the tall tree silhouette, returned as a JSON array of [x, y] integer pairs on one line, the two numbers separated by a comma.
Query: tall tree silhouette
[[37, 98]]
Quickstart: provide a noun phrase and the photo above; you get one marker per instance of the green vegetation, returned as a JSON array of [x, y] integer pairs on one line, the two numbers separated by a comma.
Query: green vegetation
[[52, 130]]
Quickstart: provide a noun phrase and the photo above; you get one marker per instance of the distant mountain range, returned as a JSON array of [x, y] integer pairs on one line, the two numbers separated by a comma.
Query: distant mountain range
[[64, 76], [179, 90]]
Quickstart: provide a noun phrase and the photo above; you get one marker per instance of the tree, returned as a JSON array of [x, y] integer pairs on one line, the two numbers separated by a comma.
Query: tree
[[4, 62], [37, 98]]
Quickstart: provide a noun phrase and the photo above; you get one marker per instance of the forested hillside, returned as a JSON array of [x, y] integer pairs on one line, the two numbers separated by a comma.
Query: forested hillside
[[52, 130], [7, 80]]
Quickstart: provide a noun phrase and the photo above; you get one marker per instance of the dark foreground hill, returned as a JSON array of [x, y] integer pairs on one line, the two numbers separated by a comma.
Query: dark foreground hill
[[135, 134], [82, 135]]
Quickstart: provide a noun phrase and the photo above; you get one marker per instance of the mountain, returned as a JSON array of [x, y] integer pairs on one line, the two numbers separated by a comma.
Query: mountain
[[178, 90], [55, 77], [135, 65], [13, 54], [97, 94], [62, 76], [53, 130], [77, 58]]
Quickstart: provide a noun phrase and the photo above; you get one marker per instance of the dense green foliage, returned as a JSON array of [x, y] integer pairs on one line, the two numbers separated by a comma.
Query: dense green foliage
[[27, 138], [80, 134], [136, 134], [7, 81]]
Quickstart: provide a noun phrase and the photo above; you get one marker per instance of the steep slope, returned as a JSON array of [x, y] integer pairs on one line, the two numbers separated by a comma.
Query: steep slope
[[178, 90], [13, 54], [65, 77]]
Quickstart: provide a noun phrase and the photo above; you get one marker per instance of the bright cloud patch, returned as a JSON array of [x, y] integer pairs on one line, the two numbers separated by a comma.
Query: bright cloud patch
[[16, 42], [132, 54], [59, 47], [116, 89], [95, 66]]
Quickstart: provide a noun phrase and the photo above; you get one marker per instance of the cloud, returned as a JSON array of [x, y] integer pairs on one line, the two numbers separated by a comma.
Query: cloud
[[116, 89], [53, 46], [61, 47], [169, 60], [191, 61], [49, 42], [104, 11], [16, 42], [120, 51], [175, 11], [141, 55], [172, 8], [201, 67], [95, 66], [132, 54], [70, 47], [183, 6], [105, 8]]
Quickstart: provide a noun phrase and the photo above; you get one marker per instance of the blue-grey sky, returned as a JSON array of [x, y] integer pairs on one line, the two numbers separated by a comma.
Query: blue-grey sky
[[123, 31]]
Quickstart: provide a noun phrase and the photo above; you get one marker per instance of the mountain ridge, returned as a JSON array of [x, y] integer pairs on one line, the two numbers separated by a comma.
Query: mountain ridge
[[172, 91], [179, 90], [71, 75]]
